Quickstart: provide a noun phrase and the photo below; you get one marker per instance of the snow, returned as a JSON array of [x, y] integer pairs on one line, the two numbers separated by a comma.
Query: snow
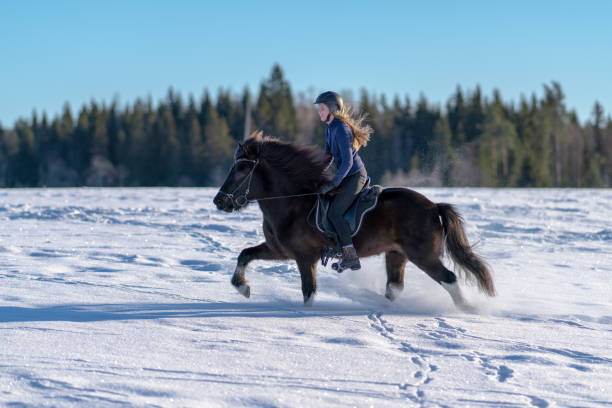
[[121, 297]]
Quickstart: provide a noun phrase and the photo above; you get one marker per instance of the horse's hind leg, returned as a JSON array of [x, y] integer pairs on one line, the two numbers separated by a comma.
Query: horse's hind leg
[[395, 262], [447, 279], [261, 251]]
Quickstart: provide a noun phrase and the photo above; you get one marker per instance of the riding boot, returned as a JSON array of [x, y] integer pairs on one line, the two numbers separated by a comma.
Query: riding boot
[[349, 260]]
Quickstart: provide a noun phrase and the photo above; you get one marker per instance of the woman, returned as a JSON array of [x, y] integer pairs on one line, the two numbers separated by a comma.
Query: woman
[[344, 135]]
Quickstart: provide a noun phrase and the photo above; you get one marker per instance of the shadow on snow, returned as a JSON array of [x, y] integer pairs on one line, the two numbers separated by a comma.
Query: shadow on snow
[[145, 311]]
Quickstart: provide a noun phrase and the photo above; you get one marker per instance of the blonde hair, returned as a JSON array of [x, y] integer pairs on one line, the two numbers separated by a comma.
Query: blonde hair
[[361, 131]]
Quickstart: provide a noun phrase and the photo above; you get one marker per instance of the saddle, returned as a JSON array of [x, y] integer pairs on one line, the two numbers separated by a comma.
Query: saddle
[[354, 215]]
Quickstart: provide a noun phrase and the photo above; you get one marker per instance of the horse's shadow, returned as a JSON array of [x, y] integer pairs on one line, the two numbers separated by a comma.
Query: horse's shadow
[[151, 311]]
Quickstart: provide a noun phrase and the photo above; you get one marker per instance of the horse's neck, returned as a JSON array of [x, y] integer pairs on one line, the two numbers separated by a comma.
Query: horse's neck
[[281, 210], [279, 202], [286, 183]]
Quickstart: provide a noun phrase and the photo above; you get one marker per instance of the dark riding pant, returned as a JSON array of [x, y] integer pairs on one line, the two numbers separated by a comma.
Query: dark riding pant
[[347, 193]]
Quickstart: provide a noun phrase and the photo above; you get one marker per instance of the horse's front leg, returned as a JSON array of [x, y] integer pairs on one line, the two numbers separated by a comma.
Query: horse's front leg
[[261, 251], [308, 273]]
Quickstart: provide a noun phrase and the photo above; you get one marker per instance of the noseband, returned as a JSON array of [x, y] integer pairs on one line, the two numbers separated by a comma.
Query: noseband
[[241, 200]]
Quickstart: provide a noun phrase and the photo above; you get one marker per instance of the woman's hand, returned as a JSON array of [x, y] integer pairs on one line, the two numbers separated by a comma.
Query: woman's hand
[[326, 188]]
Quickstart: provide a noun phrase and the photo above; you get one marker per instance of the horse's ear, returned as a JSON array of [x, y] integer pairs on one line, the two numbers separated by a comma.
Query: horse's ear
[[257, 135], [239, 150]]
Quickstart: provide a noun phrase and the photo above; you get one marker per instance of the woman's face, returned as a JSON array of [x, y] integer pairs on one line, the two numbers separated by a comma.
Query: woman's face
[[323, 111]]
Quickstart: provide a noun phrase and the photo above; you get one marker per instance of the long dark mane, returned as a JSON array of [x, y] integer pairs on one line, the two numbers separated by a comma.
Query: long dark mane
[[305, 166]]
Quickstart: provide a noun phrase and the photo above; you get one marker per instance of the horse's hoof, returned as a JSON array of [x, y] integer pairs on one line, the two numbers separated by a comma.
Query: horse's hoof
[[455, 291], [393, 291], [309, 301], [467, 308], [244, 290]]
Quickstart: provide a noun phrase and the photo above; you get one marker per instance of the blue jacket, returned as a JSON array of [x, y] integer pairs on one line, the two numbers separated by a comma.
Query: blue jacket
[[339, 142]]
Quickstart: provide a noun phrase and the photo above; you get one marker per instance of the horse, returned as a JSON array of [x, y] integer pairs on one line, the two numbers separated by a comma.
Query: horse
[[284, 177]]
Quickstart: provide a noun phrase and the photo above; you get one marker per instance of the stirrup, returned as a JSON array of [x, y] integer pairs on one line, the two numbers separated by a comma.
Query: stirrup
[[339, 267], [328, 253]]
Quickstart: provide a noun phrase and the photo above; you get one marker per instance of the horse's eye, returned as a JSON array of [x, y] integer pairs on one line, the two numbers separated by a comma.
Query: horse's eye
[[242, 167]]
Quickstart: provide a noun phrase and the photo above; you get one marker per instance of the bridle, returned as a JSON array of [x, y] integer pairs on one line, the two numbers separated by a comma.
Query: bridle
[[240, 200]]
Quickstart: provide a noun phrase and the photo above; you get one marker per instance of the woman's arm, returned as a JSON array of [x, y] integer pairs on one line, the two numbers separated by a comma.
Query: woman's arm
[[344, 140]]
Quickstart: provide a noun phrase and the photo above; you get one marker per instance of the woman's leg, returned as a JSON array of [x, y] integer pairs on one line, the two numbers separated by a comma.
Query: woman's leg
[[347, 193]]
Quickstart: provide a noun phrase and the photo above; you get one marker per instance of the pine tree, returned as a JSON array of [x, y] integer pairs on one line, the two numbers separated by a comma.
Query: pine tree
[[136, 145], [115, 140], [175, 102], [552, 115], [474, 116], [82, 143], [166, 154], [538, 170], [206, 107], [373, 153], [500, 153], [311, 130], [456, 111], [424, 123], [442, 152], [192, 151], [63, 133], [405, 123], [25, 160], [608, 150], [218, 146], [98, 132], [248, 124], [44, 134], [275, 113], [232, 111], [598, 161], [384, 125], [399, 134]]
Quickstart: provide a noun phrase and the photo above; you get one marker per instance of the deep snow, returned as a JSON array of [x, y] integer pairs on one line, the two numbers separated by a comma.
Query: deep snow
[[121, 297]]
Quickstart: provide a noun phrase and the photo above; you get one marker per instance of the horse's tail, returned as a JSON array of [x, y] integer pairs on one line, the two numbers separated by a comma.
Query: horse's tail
[[460, 249]]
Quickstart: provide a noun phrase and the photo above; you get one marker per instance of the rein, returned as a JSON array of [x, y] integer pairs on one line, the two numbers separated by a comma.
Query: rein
[[252, 200]]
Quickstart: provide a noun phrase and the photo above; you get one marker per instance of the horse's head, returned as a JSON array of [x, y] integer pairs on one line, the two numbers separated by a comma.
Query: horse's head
[[233, 194], [269, 167]]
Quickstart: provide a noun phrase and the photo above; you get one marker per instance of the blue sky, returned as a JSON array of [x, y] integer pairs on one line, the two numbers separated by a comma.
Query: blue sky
[[52, 52]]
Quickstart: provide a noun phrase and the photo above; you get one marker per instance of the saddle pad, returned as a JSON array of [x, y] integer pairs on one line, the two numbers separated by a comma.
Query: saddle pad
[[365, 202]]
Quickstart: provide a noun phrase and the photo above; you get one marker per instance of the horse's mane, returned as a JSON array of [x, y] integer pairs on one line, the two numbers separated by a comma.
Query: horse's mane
[[305, 166]]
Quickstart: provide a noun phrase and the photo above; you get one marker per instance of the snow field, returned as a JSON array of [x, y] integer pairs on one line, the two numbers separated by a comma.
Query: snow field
[[121, 297]]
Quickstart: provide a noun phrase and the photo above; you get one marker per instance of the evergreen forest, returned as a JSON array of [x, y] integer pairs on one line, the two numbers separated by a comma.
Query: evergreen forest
[[472, 140]]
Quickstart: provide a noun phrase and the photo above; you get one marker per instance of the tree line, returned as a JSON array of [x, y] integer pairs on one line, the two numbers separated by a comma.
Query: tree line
[[474, 140]]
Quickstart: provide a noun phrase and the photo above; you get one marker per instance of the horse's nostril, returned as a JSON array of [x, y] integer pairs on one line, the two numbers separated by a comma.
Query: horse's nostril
[[217, 202], [222, 203]]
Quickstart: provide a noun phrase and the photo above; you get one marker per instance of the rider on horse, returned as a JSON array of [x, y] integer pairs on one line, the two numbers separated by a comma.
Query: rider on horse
[[344, 136]]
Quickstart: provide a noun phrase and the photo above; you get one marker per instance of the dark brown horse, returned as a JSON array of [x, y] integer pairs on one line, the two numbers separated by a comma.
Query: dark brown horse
[[405, 225]]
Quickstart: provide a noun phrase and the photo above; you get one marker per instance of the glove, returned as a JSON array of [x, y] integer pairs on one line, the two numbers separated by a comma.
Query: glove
[[326, 188]]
